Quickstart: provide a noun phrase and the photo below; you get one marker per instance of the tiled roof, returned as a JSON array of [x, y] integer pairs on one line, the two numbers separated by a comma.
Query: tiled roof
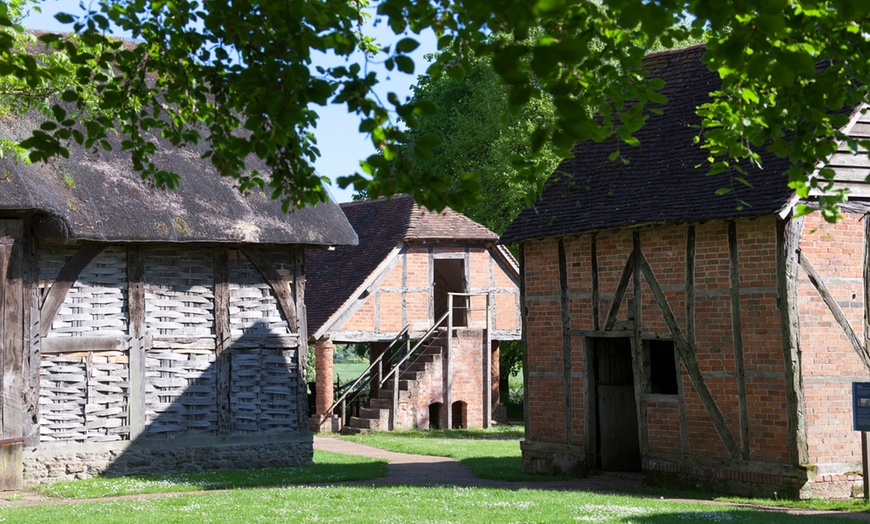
[[664, 179], [333, 276]]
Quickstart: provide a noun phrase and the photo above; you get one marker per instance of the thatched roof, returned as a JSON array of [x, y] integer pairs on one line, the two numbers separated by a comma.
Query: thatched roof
[[663, 179], [95, 195]]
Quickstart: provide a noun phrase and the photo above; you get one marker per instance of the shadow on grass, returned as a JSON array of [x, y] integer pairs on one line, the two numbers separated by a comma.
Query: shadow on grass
[[327, 468]]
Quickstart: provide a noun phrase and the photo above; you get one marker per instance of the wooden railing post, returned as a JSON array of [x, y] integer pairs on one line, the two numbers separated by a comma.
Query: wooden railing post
[[448, 397], [487, 409]]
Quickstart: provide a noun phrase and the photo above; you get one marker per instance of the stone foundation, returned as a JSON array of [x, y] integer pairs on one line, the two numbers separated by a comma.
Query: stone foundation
[[541, 458], [166, 456]]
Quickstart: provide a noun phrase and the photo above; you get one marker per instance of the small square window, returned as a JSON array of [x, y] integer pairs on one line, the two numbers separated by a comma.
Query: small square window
[[662, 367]]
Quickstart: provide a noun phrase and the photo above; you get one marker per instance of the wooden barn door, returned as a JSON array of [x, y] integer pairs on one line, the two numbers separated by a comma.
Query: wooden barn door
[[11, 354], [616, 409]]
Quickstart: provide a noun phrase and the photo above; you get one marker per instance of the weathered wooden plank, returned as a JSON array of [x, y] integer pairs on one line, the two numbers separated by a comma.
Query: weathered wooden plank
[[12, 333], [737, 336], [687, 354], [640, 369], [302, 331], [79, 344], [849, 160], [690, 335], [835, 309], [280, 288], [29, 305], [64, 281], [788, 241], [566, 342], [851, 174], [596, 291], [136, 314], [621, 288], [222, 363], [860, 129]]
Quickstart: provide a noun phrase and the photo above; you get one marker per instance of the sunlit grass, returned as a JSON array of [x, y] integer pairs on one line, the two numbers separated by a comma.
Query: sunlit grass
[[327, 467], [396, 505], [489, 454]]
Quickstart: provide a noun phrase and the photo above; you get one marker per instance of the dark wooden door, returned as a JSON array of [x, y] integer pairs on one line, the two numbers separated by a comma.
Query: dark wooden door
[[616, 409], [12, 381]]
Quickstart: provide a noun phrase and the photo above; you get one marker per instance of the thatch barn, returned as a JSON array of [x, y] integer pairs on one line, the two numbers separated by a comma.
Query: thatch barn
[[149, 331]]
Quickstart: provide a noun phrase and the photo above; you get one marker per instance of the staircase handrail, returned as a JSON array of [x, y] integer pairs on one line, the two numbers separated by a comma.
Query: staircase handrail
[[422, 340], [351, 389]]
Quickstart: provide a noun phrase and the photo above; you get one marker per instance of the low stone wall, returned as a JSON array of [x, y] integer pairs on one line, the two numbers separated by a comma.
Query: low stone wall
[[166, 456]]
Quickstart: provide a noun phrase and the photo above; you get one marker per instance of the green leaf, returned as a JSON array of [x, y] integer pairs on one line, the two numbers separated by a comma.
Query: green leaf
[[405, 64], [64, 18], [407, 45]]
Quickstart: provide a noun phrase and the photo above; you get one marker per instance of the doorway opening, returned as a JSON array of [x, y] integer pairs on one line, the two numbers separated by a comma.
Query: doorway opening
[[449, 276], [617, 443], [435, 415], [460, 415]]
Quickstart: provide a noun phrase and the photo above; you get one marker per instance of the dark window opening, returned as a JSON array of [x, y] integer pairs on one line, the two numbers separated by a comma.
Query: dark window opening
[[663, 367]]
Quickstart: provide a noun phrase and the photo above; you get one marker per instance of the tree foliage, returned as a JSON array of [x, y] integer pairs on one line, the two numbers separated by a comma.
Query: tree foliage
[[239, 76], [472, 134]]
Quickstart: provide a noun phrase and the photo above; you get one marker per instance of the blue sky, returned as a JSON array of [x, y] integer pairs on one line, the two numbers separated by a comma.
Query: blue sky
[[340, 143]]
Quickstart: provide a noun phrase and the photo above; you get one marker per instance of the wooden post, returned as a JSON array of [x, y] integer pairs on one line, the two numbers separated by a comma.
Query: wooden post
[[566, 341], [737, 336], [487, 410], [222, 339], [136, 312], [448, 380], [865, 472]]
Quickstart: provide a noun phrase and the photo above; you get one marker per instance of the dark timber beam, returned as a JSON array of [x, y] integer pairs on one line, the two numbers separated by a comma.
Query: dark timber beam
[[276, 282], [641, 363], [690, 335], [687, 354], [737, 336], [566, 340], [835, 309], [620, 291], [788, 241], [596, 292]]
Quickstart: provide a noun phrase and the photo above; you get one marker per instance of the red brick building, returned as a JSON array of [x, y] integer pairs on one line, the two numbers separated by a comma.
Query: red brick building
[[399, 276], [707, 340]]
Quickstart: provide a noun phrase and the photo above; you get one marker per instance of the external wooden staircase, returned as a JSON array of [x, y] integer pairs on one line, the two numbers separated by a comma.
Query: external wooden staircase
[[377, 415]]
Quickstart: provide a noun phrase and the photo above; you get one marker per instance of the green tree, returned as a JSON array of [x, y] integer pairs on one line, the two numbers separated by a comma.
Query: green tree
[[209, 70], [476, 136]]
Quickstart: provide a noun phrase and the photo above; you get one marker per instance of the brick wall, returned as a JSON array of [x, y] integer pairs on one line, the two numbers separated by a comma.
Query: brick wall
[[408, 280], [829, 363], [665, 249]]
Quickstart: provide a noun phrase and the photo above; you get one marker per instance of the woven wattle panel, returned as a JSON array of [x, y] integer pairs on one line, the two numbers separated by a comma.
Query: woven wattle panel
[[179, 293], [263, 393], [97, 301], [83, 397], [179, 393], [253, 307]]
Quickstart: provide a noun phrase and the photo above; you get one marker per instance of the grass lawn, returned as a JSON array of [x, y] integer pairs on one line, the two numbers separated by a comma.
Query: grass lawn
[[327, 467], [395, 504], [489, 454]]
